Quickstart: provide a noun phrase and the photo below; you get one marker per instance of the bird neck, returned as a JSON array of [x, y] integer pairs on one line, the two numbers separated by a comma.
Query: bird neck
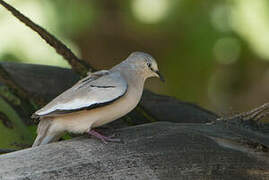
[[130, 73]]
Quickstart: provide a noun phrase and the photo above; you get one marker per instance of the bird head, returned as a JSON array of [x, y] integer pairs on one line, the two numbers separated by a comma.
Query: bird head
[[146, 64]]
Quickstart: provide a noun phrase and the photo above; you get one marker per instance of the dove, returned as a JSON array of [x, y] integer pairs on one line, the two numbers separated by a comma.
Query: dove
[[98, 99]]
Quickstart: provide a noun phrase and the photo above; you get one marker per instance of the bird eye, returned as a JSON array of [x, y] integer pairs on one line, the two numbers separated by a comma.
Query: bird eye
[[149, 65]]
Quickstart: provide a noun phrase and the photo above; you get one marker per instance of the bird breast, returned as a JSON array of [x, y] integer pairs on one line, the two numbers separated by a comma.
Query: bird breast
[[118, 108], [83, 121]]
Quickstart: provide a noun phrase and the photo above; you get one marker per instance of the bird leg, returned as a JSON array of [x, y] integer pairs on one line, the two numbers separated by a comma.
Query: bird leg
[[104, 139]]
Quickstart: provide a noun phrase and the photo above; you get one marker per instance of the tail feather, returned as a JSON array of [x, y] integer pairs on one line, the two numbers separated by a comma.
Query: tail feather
[[43, 136]]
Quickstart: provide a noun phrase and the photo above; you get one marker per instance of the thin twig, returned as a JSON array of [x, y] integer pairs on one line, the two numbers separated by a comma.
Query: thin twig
[[78, 65], [256, 114], [261, 116]]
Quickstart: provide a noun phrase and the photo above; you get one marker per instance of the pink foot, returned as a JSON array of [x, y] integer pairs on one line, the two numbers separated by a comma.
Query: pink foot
[[103, 138]]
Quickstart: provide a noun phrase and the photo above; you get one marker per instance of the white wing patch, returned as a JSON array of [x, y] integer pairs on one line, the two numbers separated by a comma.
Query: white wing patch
[[87, 94]]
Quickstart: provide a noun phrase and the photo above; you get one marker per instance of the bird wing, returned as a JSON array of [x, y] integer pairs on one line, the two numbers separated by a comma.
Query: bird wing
[[97, 89]]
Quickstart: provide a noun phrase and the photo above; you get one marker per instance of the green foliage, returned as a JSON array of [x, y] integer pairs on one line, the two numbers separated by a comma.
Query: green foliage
[[74, 18], [14, 133], [4, 91]]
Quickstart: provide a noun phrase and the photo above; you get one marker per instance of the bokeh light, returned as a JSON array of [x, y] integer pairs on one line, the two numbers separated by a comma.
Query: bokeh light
[[150, 11], [220, 17], [227, 50], [21, 42], [250, 20]]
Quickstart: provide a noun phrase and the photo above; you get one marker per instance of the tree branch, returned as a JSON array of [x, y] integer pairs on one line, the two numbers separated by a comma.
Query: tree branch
[[27, 102], [78, 65], [8, 81]]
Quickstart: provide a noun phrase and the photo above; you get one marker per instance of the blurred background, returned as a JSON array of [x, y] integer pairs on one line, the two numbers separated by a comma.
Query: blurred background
[[212, 52]]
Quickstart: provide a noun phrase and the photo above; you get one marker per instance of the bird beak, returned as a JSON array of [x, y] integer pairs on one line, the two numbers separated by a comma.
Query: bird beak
[[160, 76]]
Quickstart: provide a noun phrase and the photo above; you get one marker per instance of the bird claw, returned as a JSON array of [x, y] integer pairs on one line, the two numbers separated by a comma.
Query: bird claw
[[104, 139]]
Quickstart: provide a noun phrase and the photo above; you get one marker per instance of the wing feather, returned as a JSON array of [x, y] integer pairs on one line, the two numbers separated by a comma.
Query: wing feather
[[92, 91]]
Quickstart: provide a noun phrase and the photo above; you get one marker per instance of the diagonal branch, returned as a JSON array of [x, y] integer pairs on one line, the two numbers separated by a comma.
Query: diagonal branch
[[27, 101], [256, 114], [8, 81], [78, 65]]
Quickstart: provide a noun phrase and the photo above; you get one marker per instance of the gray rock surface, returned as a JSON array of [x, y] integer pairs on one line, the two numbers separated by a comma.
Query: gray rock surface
[[153, 151]]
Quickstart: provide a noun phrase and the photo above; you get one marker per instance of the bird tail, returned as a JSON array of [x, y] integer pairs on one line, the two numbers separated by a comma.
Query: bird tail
[[43, 137]]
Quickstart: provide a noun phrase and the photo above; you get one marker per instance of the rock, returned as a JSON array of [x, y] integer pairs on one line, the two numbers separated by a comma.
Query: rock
[[152, 151]]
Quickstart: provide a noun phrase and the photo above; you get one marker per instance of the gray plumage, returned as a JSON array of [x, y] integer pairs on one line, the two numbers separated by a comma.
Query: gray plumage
[[90, 92], [97, 99]]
